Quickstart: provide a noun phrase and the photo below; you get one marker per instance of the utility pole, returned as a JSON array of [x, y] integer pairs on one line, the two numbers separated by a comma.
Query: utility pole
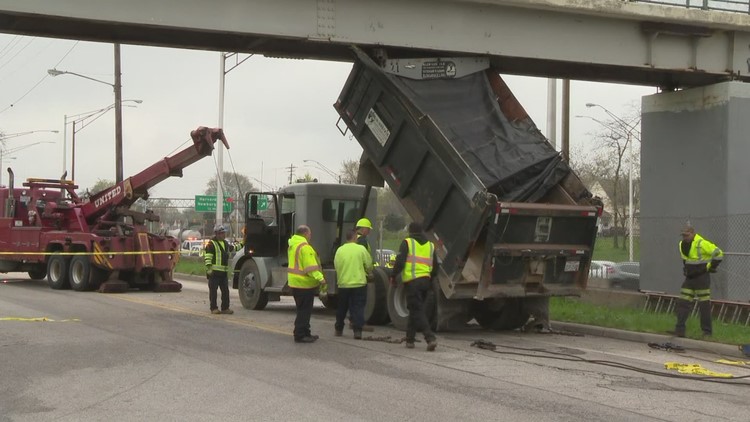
[[291, 173], [118, 116], [565, 140]]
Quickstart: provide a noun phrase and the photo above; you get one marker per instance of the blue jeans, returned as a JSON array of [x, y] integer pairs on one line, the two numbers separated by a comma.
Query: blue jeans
[[353, 300]]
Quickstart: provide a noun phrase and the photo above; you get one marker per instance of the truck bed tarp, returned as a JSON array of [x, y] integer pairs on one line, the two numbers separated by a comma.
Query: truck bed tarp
[[512, 159]]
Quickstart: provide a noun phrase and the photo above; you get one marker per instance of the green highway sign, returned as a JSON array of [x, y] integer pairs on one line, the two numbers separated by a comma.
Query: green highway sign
[[207, 203], [262, 203]]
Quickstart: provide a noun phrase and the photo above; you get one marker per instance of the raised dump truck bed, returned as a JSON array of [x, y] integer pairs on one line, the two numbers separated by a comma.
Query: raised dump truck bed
[[510, 218]]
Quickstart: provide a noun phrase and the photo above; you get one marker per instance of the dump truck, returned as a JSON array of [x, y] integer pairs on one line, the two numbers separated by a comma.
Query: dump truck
[[47, 229], [512, 224]]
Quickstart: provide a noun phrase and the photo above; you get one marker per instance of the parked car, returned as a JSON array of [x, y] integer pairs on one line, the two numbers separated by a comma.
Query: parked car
[[601, 269], [191, 248], [626, 276]]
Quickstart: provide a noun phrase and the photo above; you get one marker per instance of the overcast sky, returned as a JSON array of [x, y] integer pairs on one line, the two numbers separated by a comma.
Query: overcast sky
[[278, 112]]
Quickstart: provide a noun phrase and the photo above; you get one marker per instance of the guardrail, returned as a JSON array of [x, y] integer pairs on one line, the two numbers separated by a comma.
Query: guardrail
[[737, 6]]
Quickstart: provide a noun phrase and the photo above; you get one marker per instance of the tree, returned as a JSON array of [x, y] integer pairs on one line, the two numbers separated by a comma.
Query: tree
[[100, 185], [234, 185], [307, 178], [349, 171], [609, 163], [394, 222]]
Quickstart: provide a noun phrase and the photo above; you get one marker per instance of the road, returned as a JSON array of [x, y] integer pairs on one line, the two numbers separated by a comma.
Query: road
[[146, 356]]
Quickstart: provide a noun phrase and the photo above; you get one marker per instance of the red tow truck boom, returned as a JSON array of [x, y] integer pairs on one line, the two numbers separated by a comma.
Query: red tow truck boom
[[46, 229]]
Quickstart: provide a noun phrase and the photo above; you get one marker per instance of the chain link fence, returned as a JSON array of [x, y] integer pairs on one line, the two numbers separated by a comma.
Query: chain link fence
[[661, 264], [738, 6]]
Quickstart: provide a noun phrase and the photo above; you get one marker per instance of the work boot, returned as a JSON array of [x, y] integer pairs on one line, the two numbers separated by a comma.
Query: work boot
[[227, 311], [409, 344], [676, 333], [339, 333], [431, 345], [706, 335], [368, 328], [357, 335], [315, 336], [215, 311], [306, 339]]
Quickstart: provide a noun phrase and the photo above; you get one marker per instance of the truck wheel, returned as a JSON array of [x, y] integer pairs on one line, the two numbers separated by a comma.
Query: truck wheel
[[57, 272], [509, 316], [376, 307], [397, 310], [38, 273], [448, 314], [251, 294], [79, 273]]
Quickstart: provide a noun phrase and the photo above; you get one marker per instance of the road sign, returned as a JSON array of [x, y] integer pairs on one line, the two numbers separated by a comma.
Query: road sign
[[262, 203], [207, 203]]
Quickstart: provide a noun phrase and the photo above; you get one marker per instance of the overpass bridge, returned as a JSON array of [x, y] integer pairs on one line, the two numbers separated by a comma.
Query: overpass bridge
[[694, 143], [600, 40]]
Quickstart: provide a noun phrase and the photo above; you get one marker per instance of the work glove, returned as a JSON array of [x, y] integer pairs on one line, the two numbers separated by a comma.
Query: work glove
[[713, 265], [323, 290], [209, 271]]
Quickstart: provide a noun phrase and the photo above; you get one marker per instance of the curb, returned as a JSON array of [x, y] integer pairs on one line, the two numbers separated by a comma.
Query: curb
[[724, 350]]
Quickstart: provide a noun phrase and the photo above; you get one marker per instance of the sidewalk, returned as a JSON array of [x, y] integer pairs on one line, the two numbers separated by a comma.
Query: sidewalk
[[724, 350]]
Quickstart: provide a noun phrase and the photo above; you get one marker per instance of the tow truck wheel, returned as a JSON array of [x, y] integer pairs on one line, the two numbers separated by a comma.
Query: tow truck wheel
[[57, 272], [38, 273], [251, 294], [80, 273]]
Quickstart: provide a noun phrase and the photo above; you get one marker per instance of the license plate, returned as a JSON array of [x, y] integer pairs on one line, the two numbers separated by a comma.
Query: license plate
[[572, 266]]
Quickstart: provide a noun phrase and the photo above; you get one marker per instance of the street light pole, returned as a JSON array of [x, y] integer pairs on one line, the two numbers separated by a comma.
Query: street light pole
[[330, 172]]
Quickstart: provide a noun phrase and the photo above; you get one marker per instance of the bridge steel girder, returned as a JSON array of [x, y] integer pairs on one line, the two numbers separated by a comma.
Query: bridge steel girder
[[600, 40]]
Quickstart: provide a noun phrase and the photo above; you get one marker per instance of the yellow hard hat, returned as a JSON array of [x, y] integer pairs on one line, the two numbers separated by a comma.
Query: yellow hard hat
[[363, 222]]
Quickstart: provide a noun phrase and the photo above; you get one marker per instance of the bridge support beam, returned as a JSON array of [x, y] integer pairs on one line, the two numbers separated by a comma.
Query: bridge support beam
[[695, 168]]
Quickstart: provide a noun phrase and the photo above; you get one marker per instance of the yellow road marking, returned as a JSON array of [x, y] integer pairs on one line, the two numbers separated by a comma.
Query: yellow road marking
[[175, 308]]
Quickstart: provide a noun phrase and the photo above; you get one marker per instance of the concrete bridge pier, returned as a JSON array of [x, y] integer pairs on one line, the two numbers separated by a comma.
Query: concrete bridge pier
[[695, 166]]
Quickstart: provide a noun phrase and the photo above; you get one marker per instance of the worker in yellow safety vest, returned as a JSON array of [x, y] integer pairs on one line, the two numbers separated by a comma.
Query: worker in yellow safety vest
[[353, 263], [416, 264], [364, 227], [699, 257], [216, 257], [304, 276]]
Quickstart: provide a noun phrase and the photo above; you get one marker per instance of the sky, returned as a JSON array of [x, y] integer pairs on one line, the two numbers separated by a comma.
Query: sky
[[277, 112]]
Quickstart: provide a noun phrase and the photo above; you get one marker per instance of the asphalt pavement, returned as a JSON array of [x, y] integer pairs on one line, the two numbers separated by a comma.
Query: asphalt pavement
[[725, 350]]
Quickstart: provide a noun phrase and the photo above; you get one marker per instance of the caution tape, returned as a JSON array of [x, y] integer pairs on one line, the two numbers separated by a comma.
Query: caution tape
[[733, 362], [93, 253], [38, 319], [695, 369]]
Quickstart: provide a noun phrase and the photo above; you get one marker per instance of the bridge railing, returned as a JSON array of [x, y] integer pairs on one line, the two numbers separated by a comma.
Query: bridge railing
[[738, 6]]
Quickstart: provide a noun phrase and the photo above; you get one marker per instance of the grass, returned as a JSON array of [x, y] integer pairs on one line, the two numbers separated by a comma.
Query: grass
[[605, 250], [192, 265], [569, 309]]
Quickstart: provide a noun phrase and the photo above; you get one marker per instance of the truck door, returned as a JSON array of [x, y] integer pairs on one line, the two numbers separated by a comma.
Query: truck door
[[269, 223]]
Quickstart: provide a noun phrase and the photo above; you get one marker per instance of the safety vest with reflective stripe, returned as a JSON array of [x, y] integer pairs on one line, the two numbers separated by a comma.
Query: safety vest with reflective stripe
[[304, 265], [702, 252], [418, 260], [216, 259]]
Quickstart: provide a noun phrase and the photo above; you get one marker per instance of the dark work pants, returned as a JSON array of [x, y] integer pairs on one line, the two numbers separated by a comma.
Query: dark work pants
[[218, 280], [692, 287], [352, 300], [418, 294], [304, 299]]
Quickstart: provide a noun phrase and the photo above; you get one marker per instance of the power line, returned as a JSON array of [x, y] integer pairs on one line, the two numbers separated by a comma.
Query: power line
[[291, 172]]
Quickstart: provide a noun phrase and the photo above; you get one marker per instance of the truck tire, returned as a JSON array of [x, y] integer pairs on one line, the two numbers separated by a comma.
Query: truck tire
[[397, 310], [79, 273], [509, 316], [251, 294], [38, 273], [448, 314], [376, 307], [57, 272]]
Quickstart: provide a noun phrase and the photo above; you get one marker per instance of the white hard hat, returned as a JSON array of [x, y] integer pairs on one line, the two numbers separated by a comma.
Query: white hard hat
[[219, 229]]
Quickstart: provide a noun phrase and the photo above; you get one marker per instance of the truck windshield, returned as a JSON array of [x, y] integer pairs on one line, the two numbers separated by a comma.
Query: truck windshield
[[331, 207]]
